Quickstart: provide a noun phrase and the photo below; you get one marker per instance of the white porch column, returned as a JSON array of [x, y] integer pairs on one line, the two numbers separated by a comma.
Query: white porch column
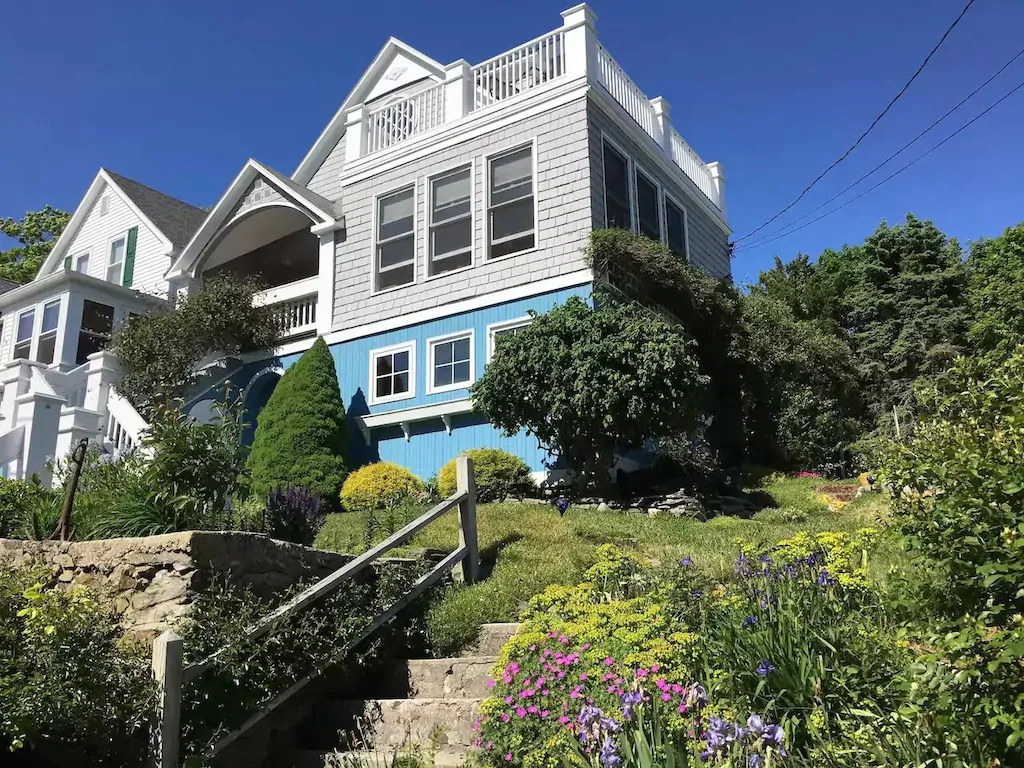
[[325, 283], [458, 90], [40, 415], [662, 123], [355, 134], [104, 370], [76, 423], [16, 377], [580, 41], [67, 334], [718, 176]]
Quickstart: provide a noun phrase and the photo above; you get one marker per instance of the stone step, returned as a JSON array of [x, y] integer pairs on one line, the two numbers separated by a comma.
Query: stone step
[[373, 759], [459, 678], [492, 637], [388, 724]]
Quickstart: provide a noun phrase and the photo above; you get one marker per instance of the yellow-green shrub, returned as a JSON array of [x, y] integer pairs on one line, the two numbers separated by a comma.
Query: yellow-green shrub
[[498, 474], [379, 486]]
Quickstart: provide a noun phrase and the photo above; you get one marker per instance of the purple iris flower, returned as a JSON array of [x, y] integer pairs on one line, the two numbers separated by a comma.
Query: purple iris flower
[[749, 622], [825, 579], [765, 668], [562, 504], [686, 562]]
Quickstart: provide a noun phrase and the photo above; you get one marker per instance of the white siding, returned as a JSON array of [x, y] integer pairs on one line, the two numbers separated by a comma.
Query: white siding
[[563, 219], [98, 230], [326, 182]]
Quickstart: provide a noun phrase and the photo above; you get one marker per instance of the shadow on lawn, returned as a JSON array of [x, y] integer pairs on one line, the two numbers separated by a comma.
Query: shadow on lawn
[[489, 555]]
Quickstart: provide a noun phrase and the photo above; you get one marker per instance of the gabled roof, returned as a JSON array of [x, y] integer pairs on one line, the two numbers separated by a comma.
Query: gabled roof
[[377, 71], [167, 217], [7, 285], [320, 209], [177, 219]]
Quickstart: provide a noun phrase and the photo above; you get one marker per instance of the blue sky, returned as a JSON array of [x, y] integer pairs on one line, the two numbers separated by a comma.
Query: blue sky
[[178, 94]]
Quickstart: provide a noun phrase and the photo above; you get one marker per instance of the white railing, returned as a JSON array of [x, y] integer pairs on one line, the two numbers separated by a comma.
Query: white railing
[[622, 88], [537, 62], [397, 122], [694, 167], [294, 306], [124, 428], [12, 443], [168, 658]]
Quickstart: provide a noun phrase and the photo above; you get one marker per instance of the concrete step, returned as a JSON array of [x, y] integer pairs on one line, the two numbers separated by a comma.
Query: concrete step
[[492, 638], [373, 759], [388, 724], [461, 678]]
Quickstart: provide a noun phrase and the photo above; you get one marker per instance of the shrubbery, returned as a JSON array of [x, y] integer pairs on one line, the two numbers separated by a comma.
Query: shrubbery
[[18, 500], [498, 475], [379, 486]]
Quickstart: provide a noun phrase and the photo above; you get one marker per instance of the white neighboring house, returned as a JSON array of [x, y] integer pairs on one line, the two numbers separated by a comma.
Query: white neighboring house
[[440, 206]]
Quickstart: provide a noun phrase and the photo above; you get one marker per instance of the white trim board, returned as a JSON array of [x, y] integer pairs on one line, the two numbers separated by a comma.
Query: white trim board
[[407, 416]]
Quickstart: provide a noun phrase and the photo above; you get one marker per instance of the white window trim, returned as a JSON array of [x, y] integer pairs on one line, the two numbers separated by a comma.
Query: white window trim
[[504, 325], [124, 258], [415, 186], [431, 343], [428, 213], [57, 340], [532, 143], [33, 336], [659, 192], [630, 181], [686, 223], [77, 260], [407, 346]]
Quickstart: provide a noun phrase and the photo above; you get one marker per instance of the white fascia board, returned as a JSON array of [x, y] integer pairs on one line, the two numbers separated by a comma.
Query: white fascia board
[[405, 416]]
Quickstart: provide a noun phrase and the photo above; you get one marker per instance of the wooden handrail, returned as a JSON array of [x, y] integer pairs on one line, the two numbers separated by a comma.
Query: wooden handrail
[[171, 675]]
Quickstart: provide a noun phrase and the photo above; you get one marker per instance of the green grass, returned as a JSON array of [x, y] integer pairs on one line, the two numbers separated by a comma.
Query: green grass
[[526, 547]]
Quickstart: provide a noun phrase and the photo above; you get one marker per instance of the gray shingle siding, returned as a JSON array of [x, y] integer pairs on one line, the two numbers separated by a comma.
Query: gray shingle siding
[[326, 182], [564, 220], [709, 244]]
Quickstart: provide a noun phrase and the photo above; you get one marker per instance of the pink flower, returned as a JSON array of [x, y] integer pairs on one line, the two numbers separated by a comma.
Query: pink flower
[[527, 683], [666, 697], [682, 709], [506, 678], [575, 694], [546, 653], [527, 693], [552, 635], [655, 667], [508, 699], [678, 690], [609, 661], [520, 712], [563, 639], [607, 676], [532, 710], [545, 692], [545, 713], [533, 647], [561, 675], [611, 689], [505, 717], [641, 673], [489, 745], [490, 683], [508, 757], [585, 647], [564, 720], [513, 668], [540, 682], [583, 675]]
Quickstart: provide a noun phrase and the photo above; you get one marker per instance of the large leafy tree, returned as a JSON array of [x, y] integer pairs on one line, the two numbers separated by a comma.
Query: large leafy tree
[[587, 381], [996, 267], [300, 434], [35, 233]]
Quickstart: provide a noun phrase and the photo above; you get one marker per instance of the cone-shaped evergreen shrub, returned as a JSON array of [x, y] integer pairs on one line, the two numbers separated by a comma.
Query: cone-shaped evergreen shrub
[[300, 434]]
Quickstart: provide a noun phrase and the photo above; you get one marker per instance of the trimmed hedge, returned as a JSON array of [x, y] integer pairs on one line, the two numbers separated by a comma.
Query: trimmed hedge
[[498, 474], [379, 486]]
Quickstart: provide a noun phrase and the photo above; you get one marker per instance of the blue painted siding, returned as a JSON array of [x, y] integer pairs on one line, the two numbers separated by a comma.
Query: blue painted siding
[[430, 446]]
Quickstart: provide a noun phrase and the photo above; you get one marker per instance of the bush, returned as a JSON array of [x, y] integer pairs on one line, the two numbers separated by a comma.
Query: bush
[[379, 486], [295, 514], [72, 692], [18, 500], [498, 474], [300, 434]]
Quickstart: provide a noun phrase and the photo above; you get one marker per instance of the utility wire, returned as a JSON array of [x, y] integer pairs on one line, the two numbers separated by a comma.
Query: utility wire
[[870, 127], [972, 94], [892, 175]]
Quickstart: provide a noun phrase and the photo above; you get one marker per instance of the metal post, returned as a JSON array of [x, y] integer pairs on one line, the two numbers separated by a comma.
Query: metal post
[[467, 518], [166, 732], [63, 531]]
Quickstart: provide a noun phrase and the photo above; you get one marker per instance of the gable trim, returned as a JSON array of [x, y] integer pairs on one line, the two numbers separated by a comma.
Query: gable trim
[[335, 129], [92, 196]]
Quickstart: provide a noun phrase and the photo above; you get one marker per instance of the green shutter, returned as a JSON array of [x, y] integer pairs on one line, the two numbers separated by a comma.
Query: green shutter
[[129, 256], [67, 263]]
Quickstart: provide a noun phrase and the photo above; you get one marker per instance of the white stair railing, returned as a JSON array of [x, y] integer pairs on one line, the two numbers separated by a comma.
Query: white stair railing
[[125, 426]]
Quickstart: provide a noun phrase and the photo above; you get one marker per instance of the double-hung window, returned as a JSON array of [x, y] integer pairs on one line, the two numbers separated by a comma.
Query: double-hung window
[[115, 261], [499, 331], [391, 373], [675, 229], [451, 362], [48, 332], [451, 222], [648, 207], [23, 334], [510, 208], [97, 325], [396, 239], [82, 263], [616, 189]]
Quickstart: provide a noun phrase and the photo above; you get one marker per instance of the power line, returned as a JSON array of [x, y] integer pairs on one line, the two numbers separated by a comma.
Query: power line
[[870, 127], [892, 175], [972, 94]]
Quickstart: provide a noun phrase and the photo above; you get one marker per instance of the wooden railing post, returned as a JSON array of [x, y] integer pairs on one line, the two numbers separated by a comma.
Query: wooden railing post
[[167, 668], [467, 518]]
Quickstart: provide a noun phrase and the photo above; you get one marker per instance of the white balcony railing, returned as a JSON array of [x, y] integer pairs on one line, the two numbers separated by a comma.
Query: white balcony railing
[[570, 52], [537, 62], [294, 306]]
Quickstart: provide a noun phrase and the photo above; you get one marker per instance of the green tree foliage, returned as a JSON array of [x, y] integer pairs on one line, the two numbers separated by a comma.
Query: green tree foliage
[[36, 233], [585, 381], [996, 268], [300, 434], [159, 353]]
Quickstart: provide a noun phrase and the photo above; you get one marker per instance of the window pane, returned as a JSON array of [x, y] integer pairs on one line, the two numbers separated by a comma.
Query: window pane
[[47, 343], [396, 252], [451, 238], [26, 322], [384, 386], [88, 343], [449, 263], [51, 313], [461, 372], [116, 251], [395, 214], [97, 318], [442, 353], [616, 189], [511, 170], [401, 383], [451, 196], [82, 265], [512, 219], [515, 245], [442, 376], [401, 362], [461, 350], [21, 350], [647, 207], [676, 228], [384, 365], [395, 277]]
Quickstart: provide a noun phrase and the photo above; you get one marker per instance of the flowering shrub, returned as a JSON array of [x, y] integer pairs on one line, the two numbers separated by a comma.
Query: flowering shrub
[[379, 486], [295, 514]]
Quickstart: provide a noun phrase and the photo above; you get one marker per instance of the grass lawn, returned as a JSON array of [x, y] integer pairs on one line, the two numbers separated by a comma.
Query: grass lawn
[[526, 547]]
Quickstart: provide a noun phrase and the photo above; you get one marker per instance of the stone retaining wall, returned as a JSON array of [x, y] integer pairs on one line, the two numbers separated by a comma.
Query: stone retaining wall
[[153, 580]]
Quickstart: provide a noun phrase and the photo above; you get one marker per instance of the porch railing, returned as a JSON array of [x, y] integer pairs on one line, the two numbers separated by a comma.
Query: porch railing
[[124, 427], [172, 675], [517, 71], [404, 119], [294, 306]]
